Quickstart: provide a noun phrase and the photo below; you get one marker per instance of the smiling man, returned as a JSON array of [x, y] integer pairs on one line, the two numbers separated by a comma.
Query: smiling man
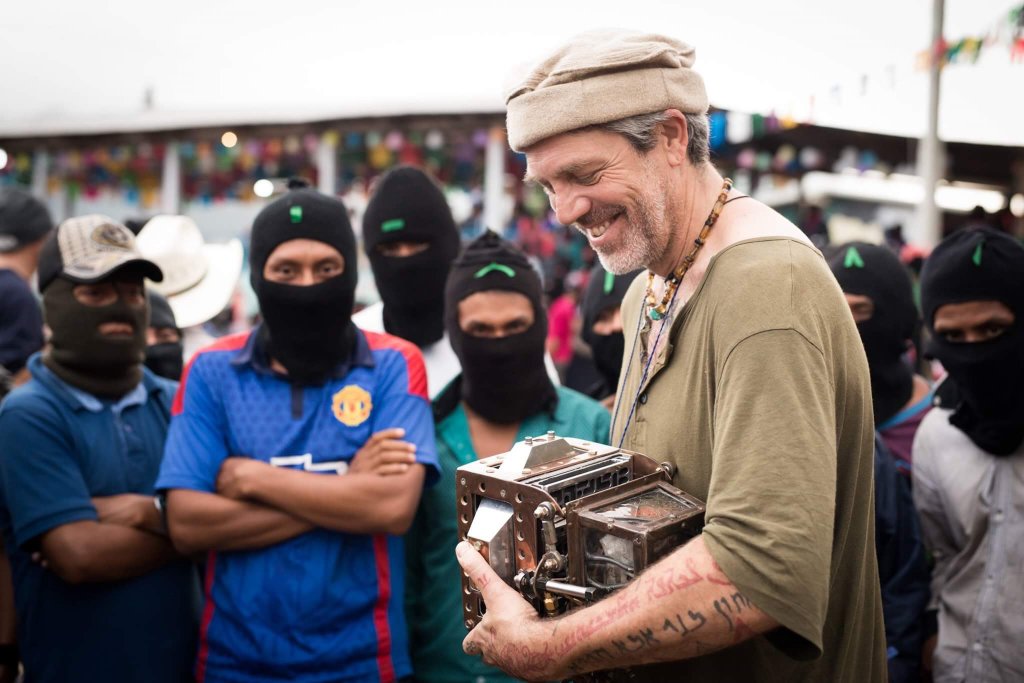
[[286, 464], [969, 455], [743, 367], [81, 443]]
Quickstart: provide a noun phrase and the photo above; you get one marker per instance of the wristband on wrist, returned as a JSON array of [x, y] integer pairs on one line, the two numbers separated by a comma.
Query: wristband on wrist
[[160, 503]]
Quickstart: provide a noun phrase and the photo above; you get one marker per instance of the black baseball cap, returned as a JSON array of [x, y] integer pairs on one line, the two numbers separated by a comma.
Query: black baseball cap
[[23, 219]]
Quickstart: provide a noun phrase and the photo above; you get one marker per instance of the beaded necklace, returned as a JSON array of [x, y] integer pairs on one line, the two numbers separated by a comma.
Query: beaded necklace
[[699, 242], [655, 310]]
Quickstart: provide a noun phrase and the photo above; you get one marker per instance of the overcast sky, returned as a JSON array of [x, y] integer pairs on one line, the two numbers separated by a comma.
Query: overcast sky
[[66, 61]]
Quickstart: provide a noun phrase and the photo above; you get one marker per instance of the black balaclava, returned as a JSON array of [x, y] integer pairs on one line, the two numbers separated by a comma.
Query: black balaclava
[[165, 358], [307, 329], [408, 206], [504, 379], [605, 290], [103, 366], [875, 272], [981, 265]]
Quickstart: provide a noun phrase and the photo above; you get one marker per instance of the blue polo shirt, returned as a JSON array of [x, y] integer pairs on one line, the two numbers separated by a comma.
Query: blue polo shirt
[[21, 321], [59, 447], [326, 605]]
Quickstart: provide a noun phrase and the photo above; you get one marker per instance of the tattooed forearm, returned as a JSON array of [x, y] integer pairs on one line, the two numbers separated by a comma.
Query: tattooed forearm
[[683, 626], [676, 579], [676, 627], [684, 606], [729, 605], [623, 605], [602, 657]]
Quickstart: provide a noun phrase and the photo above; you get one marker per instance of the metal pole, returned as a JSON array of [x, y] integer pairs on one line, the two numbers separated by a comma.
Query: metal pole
[[170, 190], [40, 173], [327, 163], [930, 157], [494, 181]]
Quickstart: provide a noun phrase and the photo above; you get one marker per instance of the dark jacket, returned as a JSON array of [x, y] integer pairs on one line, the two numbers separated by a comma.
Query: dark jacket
[[902, 567]]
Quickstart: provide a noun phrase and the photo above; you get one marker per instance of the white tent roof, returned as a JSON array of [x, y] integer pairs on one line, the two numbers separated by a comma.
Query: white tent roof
[[81, 68]]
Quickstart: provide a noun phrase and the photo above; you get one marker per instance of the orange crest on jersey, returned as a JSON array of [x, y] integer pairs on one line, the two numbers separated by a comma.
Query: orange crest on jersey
[[351, 405]]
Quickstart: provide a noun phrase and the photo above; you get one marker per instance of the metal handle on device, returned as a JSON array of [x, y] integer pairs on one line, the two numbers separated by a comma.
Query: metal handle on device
[[569, 590]]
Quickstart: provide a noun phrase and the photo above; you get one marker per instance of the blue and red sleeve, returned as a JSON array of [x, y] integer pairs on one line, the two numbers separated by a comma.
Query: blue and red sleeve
[[197, 442], [402, 399]]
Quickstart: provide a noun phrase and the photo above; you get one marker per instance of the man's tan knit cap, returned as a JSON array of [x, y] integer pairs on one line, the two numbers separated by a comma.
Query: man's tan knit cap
[[603, 76]]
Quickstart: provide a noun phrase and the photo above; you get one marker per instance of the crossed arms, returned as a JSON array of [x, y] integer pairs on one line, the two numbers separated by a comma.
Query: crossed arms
[[257, 505], [126, 540]]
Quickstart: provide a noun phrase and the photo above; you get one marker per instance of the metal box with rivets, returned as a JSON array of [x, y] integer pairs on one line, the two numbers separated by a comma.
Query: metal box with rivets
[[567, 521]]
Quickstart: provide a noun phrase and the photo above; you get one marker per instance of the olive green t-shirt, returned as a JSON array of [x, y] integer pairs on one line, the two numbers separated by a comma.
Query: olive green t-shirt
[[759, 393]]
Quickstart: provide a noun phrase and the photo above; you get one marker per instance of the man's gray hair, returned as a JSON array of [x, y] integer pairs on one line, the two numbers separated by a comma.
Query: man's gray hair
[[640, 132]]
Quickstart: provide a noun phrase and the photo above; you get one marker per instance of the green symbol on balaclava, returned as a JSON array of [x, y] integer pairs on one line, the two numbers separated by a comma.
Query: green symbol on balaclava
[[392, 225], [296, 213], [976, 257], [609, 282], [853, 259], [494, 266]]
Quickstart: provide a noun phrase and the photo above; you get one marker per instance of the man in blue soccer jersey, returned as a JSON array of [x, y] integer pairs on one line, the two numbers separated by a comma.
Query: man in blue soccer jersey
[[304, 576]]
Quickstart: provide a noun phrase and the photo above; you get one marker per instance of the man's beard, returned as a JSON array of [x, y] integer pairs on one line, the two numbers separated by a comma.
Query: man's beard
[[643, 238]]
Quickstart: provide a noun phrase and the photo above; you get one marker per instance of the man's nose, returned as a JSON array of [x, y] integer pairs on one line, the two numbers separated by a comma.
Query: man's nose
[[306, 278], [569, 206]]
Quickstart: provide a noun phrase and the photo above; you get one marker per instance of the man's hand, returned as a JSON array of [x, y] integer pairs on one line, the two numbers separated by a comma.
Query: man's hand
[[384, 453], [236, 476], [683, 606], [511, 635], [131, 510]]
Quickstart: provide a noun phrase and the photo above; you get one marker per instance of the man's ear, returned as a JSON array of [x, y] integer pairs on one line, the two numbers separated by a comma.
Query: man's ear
[[673, 136]]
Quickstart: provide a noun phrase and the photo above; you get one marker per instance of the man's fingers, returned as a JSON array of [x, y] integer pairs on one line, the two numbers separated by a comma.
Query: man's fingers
[[386, 434], [480, 573], [385, 470], [396, 445], [398, 454]]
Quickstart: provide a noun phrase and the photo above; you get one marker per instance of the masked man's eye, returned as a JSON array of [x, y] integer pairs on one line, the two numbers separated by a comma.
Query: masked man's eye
[[992, 330], [329, 269]]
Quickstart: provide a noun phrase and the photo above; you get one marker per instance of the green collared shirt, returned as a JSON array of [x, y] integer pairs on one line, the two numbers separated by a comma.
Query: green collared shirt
[[433, 584]]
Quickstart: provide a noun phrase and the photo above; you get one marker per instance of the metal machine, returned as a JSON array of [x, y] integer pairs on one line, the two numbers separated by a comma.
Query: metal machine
[[567, 521]]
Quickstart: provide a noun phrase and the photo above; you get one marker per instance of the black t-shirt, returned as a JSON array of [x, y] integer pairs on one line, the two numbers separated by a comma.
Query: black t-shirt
[[21, 322]]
